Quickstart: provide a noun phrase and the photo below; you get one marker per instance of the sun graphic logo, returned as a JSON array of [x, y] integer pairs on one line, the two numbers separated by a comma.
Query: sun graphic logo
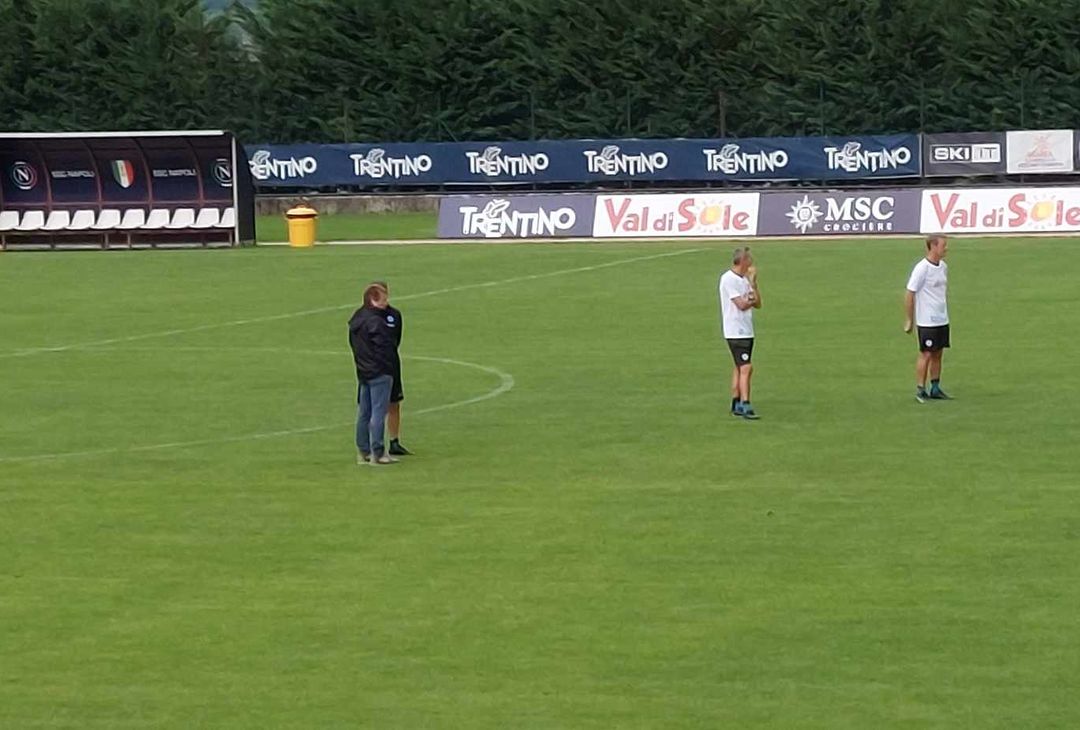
[[1041, 211], [710, 214], [804, 214]]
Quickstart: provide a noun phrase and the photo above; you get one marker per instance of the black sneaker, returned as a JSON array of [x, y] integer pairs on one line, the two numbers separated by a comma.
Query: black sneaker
[[939, 394], [396, 449], [921, 395], [748, 414]]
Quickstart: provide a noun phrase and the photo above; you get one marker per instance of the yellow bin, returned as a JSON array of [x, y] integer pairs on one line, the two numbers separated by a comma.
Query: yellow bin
[[303, 221]]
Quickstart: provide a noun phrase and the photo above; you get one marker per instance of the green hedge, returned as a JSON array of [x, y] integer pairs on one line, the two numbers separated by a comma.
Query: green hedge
[[367, 70]]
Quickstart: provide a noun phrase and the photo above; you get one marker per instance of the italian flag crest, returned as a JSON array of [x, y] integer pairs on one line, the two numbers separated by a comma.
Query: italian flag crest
[[123, 172]]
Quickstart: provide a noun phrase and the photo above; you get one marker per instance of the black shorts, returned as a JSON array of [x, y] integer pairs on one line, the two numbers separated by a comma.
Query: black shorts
[[742, 350], [933, 339], [396, 393]]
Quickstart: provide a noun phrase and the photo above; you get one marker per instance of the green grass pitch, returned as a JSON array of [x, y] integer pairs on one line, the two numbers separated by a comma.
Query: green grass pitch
[[599, 546], [356, 227]]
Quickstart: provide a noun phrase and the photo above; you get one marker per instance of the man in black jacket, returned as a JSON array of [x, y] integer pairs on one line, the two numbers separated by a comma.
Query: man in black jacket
[[397, 394], [375, 354]]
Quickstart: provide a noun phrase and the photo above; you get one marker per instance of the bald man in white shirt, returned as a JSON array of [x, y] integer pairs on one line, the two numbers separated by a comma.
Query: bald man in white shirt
[[926, 304]]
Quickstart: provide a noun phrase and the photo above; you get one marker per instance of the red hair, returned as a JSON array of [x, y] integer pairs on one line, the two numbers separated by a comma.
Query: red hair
[[373, 292]]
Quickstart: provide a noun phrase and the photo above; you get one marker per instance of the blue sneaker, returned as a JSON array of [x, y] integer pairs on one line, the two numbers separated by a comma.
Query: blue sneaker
[[939, 394], [747, 412], [921, 395]]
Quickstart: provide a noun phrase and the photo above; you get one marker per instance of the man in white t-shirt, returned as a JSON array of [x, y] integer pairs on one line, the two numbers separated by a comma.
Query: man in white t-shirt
[[926, 301], [739, 296]]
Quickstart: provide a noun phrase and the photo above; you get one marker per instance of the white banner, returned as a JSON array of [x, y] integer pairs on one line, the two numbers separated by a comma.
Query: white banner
[[1000, 210], [672, 215], [1039, 151]]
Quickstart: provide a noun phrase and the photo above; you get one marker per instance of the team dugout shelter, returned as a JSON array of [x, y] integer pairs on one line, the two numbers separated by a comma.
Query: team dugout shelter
[[124, 189]]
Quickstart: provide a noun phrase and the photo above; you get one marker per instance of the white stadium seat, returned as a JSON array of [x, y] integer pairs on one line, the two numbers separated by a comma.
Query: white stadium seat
[[133, 218], [32, 220], [182, 218], [108, 220], [58, 221], [9, 220], [228, 219], [158, 218], [82, 220], [207, 218]]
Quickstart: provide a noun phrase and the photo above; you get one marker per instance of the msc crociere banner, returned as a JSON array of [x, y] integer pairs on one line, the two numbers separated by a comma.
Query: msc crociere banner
[[839, 212]]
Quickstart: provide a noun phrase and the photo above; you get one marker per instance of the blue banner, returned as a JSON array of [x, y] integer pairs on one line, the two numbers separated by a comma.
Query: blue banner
[[586, 161], [813, 158]]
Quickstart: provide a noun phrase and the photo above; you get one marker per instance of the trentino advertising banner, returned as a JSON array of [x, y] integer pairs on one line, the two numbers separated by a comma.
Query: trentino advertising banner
[[586, 161], [515, 216]]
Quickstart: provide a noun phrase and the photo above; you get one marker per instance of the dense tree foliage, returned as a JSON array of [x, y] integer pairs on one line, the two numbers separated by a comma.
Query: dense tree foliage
[[335, 70]]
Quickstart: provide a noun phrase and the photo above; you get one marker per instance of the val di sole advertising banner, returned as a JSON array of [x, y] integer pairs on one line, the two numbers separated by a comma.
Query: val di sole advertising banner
[[515, 216], [585, 161], [1001, 210], [674, 216], [1040, 151], [822, 213], [973, 153]]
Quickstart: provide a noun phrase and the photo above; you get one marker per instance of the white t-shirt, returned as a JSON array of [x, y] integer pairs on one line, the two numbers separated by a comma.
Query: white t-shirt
[[929, 282], [737, 323]]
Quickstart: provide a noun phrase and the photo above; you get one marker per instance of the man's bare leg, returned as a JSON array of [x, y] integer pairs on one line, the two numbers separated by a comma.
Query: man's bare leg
[[393, 421], [922, 369]]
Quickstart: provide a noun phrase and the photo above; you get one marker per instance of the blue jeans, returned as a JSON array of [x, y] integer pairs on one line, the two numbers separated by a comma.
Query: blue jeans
[[371, 418]]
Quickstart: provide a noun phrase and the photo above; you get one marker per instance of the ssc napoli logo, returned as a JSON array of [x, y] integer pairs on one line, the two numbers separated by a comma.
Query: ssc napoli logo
[[745, 357], [222, 172], [929, 343], [390, 318], [24, 175]]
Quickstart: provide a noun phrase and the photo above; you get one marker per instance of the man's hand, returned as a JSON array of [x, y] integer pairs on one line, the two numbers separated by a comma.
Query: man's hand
[[752, 274], [907, 325]]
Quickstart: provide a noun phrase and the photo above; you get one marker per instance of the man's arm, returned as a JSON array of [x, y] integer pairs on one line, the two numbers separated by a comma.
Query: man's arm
[[383, 347], [752, 275], [743, 302], [915, 283], [399, 330]]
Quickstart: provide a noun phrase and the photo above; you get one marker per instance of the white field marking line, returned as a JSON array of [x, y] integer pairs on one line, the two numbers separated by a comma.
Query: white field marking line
[[506, 383], [322, 310], [661, 239], [600, 242]]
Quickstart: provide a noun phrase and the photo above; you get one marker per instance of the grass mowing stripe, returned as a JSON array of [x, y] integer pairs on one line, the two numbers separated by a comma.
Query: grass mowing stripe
[[506, 383], [338, 307]]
